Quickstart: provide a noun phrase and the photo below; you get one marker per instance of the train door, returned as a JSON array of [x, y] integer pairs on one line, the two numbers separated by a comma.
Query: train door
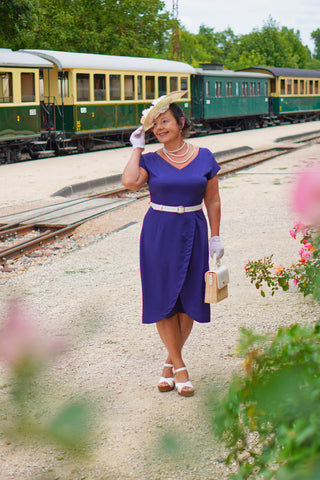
[[47, 108]]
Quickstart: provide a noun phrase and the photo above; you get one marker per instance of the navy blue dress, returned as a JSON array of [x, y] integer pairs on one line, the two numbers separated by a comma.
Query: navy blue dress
[[174, 247]]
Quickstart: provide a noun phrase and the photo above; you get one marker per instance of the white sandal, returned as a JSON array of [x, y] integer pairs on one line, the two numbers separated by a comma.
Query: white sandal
[[181, 385], [168, 380]]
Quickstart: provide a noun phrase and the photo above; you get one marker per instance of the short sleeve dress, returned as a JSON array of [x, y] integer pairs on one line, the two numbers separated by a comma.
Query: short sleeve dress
[[173, 246]]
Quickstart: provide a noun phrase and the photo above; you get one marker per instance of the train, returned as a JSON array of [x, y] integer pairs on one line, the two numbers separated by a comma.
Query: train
[[55, 102]]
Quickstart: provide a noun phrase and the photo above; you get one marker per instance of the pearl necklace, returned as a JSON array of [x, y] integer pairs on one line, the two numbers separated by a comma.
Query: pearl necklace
[[173, 152], [168, 153]]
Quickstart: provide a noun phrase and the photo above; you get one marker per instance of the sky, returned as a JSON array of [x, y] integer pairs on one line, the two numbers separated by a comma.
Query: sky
[[243, 16]]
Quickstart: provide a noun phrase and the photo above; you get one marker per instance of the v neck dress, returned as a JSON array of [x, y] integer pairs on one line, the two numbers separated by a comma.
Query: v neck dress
[[174, 247]]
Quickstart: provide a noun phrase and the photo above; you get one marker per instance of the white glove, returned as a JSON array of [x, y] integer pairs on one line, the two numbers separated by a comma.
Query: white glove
[[216, 247], [137, 138]]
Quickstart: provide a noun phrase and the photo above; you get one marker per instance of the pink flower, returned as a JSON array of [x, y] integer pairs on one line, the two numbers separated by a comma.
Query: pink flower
[[306, 254], [279, 269], [298, 227], [306, 195], [20, 338]]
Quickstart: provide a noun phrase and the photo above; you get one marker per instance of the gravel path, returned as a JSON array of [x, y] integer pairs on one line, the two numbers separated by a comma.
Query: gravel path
[[93, 296]]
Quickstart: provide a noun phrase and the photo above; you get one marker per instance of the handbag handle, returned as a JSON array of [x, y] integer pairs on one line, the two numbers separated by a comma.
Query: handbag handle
[[215, 262]]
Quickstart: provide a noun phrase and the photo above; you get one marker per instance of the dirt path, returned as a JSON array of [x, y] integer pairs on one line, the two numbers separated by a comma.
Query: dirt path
[[93, 295]]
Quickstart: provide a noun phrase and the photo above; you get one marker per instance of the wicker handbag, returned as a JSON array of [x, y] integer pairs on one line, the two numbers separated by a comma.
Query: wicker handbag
[[217, 281]]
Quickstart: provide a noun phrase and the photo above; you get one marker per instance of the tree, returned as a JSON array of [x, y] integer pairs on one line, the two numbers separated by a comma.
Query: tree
[[120, 27], [315, 35], [16, 20], [202, 47], [272, 46]]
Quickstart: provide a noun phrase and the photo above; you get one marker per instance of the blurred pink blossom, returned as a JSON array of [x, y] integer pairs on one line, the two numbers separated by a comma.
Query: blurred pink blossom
[[298, 227], [306, 195], [21, 339], [306, 252], [279, 269]]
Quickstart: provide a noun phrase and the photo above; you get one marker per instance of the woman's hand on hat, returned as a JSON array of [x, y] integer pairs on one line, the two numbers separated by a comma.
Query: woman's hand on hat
[[216, 247], [138, 139]]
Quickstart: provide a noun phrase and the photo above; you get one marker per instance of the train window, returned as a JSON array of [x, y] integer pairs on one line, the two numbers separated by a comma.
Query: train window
[[301, 87], [99, 87], [115, 87], [229, 89], [266, 88], [245, 89], [207, 88], [6, 87], [150, 88], [184, 83], [63, 84], [316, 87], [311, 87], [295, 87], [258, 89], [282, 87], [237, 89], [273, 85], [140, 93], [27, 87], [129, 87], [83, 87], [173, 84], [162, 86], [252, 89], [289, 86], [217, 89], [41, 85]]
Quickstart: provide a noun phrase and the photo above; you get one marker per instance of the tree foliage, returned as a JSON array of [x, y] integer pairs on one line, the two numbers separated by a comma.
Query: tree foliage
[[272, 46], [315, 35], [143, 28], [121, 27]]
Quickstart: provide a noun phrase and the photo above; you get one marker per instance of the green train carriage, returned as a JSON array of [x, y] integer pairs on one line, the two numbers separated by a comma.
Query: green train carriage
[[294, 93], [101, 97], [20, 118], [228, 100]]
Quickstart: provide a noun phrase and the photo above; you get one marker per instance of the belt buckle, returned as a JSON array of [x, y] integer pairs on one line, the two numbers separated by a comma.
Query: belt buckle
[[181, 209]]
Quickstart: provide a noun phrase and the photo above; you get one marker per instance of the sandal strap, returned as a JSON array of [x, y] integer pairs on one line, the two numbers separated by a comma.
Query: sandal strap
[[180, 386], [180, 369], [168, 380], [168, 365]]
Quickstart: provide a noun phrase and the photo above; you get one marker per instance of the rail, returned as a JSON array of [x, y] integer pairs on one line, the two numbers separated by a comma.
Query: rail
[[49, 219]]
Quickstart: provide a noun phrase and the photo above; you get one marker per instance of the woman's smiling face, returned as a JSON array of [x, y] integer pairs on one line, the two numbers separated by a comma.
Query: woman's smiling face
[[166, 128]]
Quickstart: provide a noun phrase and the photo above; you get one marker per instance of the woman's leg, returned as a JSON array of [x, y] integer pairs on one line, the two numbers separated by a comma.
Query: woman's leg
[[174, 332]]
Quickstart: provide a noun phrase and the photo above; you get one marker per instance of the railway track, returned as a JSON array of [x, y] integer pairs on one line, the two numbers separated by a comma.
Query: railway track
[[53, 222], [48, 224]]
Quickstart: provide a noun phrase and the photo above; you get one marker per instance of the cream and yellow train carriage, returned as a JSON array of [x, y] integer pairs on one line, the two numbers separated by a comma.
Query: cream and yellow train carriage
[[19, 102], [95, 96]]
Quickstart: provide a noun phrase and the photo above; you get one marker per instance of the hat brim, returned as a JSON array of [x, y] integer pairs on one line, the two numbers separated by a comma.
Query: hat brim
[[161, 105]]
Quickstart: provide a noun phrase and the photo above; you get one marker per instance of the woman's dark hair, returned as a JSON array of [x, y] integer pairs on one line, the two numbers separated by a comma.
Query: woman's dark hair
[[178, 114]]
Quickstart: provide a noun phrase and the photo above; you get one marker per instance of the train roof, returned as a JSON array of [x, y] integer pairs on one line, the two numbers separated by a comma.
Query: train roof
[[232, 74], [65, 60], [10, 58], [286, 72]]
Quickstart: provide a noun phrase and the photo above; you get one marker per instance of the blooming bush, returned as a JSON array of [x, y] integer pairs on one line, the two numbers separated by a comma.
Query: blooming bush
[[269, 417], [25, 407], [303, 274]]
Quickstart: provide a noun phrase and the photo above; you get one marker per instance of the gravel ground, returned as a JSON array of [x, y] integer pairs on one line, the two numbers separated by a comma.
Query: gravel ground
[[92, 295]]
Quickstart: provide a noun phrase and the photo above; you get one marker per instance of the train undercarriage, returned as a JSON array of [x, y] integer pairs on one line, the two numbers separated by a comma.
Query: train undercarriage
[[56, 143]]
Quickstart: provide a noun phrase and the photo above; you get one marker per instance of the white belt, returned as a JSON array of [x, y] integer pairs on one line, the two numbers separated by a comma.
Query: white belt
[[180, 209]]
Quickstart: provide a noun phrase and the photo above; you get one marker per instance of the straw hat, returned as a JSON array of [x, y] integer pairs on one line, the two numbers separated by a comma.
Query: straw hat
[[158, 106]]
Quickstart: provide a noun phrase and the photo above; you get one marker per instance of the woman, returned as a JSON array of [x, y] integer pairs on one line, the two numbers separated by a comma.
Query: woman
[[174, 237]]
